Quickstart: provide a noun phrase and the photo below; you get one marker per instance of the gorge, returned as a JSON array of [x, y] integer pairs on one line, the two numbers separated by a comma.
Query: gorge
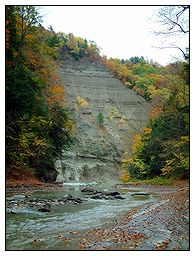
[[92, 90]]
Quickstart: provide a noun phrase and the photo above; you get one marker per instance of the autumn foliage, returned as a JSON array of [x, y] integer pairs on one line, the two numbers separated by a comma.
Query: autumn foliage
[[38, 124]]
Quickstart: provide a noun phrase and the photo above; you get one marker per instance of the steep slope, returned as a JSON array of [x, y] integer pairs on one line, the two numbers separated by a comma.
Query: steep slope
[[97, 152]]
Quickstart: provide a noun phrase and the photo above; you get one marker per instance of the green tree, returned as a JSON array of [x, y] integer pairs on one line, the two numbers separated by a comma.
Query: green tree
[[27, 17], [165, 149], [38, 127], [100, 119], [137, 59]]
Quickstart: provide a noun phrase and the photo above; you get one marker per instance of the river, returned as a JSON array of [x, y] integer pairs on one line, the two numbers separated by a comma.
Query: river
[[29, 229]]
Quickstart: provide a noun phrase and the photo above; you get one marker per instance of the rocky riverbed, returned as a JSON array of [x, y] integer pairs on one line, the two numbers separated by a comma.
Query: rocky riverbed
[[129, 217], [18, 202]]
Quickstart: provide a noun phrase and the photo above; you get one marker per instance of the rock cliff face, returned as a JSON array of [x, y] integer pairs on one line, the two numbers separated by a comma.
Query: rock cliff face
[[91, 89]]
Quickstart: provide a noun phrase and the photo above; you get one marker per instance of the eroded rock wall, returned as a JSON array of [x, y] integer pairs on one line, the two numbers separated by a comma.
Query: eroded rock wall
[[97, 152]]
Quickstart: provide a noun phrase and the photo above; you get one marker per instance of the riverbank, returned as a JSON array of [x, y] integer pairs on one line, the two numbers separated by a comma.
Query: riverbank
[[30, 188], [160, 226], [23, 181]]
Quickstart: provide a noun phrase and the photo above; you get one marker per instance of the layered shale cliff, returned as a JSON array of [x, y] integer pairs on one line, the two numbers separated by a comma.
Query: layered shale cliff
[[92, 89]]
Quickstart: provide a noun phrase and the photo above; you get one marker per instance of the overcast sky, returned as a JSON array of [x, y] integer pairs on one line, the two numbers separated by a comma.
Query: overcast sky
[[120, 31]]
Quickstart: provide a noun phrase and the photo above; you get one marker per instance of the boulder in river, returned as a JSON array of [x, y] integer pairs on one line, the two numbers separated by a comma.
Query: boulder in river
[[97, 196], [90, 191], [112, 193], [119, 197], [78, 200], [10, 211], [140, 194], [107, 195], [44, 210], [70, 198]]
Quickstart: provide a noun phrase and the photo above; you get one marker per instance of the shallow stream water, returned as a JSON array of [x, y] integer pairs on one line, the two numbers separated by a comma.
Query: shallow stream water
[[29, 229]]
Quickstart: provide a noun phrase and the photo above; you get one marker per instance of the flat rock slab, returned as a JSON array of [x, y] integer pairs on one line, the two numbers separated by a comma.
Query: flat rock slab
[[140, 194], [96, 194]]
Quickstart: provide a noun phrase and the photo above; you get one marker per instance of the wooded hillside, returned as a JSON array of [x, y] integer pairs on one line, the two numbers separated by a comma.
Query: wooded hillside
[[39, 125]]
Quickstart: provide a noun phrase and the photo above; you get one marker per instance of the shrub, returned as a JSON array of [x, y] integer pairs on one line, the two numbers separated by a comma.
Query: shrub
[[100, 119]]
